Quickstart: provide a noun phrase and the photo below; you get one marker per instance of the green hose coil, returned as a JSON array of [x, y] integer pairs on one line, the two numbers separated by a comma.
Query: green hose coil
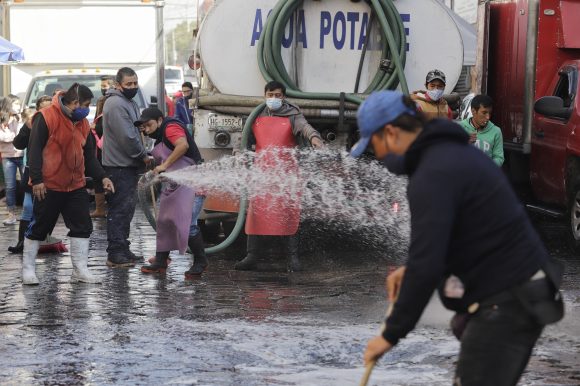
[[392, 31]]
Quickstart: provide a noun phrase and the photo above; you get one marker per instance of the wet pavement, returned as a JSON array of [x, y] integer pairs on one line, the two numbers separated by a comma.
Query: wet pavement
[[237, 328]]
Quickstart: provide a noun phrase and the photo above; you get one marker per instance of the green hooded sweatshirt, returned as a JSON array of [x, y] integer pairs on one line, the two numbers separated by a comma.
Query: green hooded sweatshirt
[[489, 140]]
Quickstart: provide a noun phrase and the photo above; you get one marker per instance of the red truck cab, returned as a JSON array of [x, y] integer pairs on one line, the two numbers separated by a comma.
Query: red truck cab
[[529, 61]]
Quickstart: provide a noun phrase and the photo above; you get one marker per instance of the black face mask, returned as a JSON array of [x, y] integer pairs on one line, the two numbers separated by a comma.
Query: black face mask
[[104, 91], [129, 93], [155, 135], [394, 163]]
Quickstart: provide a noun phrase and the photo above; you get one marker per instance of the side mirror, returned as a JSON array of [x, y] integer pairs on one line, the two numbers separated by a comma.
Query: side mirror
[[552, 106]]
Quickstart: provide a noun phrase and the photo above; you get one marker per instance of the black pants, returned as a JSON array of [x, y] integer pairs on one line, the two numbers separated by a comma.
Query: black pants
[[74, 207], [121, 209], [496, 346]]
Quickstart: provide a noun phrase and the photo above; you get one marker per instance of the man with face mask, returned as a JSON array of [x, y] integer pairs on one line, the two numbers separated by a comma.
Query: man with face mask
[[182, 110], [279, 125], [59, 155], [431, 101], [469, 225], [123, 154], [179, 206]]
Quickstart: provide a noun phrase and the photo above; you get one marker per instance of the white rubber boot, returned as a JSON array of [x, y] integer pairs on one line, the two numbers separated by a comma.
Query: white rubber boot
[[79, 254], [29, 261]]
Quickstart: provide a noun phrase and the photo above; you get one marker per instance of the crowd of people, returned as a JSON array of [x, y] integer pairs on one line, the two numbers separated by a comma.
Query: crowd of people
[[114, 149]]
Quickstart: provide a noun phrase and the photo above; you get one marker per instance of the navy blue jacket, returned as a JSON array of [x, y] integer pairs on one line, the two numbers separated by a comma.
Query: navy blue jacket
[[182, 111], [465, 220]]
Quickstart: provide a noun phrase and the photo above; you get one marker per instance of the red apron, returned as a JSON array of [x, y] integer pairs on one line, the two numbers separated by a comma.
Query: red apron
[[269, 215]]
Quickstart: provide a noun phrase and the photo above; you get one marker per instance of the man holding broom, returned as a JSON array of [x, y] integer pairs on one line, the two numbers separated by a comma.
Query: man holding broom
[[467, 224]]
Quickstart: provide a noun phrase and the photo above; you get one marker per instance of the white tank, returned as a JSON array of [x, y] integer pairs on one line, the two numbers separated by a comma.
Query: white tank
[[322, 45]]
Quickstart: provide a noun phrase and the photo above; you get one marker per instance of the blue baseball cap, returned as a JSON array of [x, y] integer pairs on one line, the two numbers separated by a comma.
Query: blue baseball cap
[[379, 109]]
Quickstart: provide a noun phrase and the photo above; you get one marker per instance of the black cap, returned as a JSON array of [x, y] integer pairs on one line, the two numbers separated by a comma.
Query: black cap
[[149, 114], [434, 75]]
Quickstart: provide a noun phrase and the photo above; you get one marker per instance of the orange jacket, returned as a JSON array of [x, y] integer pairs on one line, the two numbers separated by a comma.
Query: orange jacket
[[63, 163]]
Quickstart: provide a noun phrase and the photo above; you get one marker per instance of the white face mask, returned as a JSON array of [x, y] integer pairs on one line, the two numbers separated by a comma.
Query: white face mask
[[435, 94], [273, 103]]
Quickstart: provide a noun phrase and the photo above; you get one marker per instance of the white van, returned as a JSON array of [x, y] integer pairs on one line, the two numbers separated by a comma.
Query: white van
[[173, 79]]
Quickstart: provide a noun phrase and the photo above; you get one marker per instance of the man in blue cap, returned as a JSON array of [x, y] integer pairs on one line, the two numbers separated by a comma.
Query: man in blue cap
[[465, 224]]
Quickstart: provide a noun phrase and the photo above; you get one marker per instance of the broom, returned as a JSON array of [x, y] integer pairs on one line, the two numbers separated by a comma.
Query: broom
[[369, 367]]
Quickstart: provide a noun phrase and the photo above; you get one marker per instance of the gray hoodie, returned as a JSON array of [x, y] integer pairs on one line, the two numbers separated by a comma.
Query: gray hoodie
[[300, 126], [122, 145]]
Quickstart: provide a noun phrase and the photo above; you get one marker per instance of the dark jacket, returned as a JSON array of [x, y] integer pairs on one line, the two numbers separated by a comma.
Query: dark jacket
[[20, 142], [465, 220], [182, 111], [159, 136]]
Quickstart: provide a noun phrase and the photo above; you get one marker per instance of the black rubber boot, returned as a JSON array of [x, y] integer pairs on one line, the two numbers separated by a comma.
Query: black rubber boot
[[19, 247], [160, 264], [200, 263], [250, 262], [293, 263]]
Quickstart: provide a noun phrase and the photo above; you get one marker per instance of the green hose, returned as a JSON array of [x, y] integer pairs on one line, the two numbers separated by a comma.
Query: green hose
[[243, 200], [393, 33], [272, 68]]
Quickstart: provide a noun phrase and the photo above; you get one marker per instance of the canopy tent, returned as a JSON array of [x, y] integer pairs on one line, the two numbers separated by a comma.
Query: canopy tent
[[9, 53]]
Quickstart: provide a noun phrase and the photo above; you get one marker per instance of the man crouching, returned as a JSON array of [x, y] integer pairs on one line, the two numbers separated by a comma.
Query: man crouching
[[60, 150]]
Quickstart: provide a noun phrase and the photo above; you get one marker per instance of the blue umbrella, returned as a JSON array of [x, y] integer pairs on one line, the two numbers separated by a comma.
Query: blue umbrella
[[9, 52]]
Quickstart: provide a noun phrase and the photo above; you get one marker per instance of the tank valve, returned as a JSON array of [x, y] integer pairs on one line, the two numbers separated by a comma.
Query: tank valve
[[330, 136], [222, 139]]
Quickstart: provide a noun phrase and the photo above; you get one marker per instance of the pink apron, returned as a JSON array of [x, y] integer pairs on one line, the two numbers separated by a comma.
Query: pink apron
[[175, 206]]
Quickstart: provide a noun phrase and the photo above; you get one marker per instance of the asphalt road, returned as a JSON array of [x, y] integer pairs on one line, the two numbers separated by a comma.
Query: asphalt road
[[238, 328]]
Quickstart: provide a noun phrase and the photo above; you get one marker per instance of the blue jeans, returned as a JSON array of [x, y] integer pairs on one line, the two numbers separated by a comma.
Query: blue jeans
[[10, 165], [27, 207], [197, 208]]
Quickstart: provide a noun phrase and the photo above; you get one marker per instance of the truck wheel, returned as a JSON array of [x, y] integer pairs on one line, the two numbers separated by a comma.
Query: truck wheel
[[574, 218]]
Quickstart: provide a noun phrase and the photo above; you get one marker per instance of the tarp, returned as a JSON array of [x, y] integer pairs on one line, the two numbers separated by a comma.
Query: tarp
[[9, 52]]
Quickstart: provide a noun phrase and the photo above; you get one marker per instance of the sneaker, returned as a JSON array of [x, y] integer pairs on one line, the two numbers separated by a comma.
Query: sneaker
[[119, 261], [10, 220]]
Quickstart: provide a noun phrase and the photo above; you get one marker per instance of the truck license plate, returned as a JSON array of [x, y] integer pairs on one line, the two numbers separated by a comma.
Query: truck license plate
[[225, 122]]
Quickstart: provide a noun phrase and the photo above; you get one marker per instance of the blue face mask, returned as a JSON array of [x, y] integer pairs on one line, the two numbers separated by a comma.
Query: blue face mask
[[273, 103], [80, 113], [435, 94]]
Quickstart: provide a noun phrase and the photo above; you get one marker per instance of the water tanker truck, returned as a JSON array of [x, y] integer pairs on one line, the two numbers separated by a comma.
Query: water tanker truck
[[328, 53]]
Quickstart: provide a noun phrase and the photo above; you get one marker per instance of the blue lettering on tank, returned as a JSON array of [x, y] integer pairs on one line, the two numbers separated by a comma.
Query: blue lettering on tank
[[363, 31], [339, 40], [325, 26], [352, 18], [337, 25], [258, 26], [301, 30], [289, 30]]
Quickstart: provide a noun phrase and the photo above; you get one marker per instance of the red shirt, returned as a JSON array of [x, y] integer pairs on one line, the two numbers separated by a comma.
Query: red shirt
[[173, 132]]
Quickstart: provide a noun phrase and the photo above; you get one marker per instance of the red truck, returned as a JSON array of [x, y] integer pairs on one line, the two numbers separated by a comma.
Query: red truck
[[529, 63]]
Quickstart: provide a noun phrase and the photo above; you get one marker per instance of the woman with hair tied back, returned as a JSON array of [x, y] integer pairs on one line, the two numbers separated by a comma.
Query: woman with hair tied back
[[11, 158]]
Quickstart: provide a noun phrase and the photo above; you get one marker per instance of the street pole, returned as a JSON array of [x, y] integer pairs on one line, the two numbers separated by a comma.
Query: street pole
[[160, 66]]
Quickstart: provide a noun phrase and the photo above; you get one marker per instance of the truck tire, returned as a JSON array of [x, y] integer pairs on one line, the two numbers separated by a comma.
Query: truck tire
[[574, 218]]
